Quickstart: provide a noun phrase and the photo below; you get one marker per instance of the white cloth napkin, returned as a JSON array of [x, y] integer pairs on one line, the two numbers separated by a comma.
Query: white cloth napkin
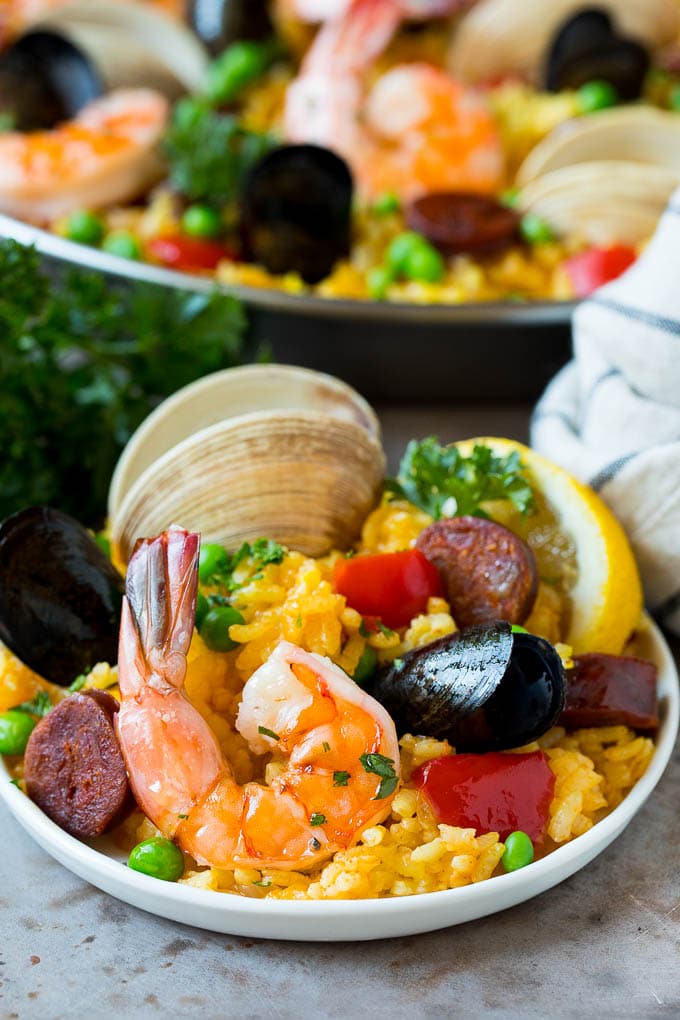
[[612, 416]]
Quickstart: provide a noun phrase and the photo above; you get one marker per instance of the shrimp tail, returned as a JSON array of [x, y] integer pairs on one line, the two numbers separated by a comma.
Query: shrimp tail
[[160, 607]]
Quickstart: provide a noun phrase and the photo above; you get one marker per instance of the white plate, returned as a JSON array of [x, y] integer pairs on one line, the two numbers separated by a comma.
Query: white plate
[[355, 919]]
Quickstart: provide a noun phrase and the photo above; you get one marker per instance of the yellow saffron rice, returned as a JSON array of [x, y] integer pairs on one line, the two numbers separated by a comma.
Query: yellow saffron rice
[[408, 853]]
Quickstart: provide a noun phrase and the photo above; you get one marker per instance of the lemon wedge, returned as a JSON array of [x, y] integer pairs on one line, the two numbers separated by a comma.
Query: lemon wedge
[[581, 550]]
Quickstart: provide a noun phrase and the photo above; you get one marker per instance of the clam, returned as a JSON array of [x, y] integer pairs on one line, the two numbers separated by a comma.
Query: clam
[[483, 689], [77, 52], [502, 37], [603, 202], [60, 597], [304, 473], [227, 394]]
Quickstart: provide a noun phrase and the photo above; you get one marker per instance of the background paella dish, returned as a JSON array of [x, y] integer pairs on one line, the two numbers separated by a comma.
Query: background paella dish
[[361, 149], [452, 696]]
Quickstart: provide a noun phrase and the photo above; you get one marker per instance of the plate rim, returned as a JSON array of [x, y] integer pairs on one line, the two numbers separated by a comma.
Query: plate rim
[[535, 313], [184, 903]]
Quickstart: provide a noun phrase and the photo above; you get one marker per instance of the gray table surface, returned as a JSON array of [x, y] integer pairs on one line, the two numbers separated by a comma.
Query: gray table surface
[[604, 943]]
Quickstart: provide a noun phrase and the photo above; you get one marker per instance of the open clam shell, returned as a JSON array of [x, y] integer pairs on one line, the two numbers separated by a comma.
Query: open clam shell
[[303, 478], [504, 37], [132, 45], [226, 394], [634, 134], [603, 202]]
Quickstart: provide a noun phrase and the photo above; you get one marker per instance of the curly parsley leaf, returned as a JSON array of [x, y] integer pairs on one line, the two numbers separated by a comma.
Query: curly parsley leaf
[[381, 766], [40, 705], [445, 483], [210, 153], [83, 363], [258, 554]]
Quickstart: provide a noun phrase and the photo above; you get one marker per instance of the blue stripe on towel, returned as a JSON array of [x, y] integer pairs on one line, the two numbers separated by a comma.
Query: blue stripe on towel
[[610, 471], [667, 607], [639, 314]]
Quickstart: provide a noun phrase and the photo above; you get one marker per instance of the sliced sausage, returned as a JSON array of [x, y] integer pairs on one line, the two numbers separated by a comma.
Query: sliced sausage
[[611, 690], [459, 222], [488, 573], [74, 768]]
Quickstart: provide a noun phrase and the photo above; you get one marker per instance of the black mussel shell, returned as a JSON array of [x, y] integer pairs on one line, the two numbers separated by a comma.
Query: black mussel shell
[[483, 689], [588, 48], [60, 597], [295, 211], [219, 23], [45, 79]]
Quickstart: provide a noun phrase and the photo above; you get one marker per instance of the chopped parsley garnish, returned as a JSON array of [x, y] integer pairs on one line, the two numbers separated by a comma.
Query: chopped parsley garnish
[[264, 883], [298, 621], [268, 733], [398, 664], [444, 483], [385, 631], [326, 746], [40, 705], [381, 766], [317, 819], [183, 816], [78, 683], [14, 782], [364, 631], [340, 778], [260, 553]]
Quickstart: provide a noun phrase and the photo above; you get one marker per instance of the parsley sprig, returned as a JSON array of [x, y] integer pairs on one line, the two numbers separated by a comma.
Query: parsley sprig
[[40, 705], [82, 364], [261, 552], [381, 766], [444, 483]]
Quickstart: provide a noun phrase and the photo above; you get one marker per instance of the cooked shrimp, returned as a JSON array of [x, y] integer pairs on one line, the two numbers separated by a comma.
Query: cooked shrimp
[[318, 723], [418, 131], [107, 154]]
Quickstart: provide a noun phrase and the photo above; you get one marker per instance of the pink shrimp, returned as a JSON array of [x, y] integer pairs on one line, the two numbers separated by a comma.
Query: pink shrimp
[[107, 154], [418, 131], [336, 747]]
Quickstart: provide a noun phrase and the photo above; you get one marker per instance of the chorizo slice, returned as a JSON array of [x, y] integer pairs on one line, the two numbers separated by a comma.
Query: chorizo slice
[[611, 690], [488, 572], [74, 768], [457, 222]]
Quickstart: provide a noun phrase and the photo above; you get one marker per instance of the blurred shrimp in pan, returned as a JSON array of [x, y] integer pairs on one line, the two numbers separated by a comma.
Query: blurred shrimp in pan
[[417, 130], [106, 154], [336, 756]]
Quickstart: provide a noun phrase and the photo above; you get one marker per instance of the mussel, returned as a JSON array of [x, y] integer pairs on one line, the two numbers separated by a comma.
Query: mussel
[[484, 689], [60, 597], [295, 211], [45, 79], [588, 47], [219, 23]]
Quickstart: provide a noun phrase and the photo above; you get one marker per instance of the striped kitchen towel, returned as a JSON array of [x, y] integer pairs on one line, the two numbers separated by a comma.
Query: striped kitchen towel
[[612, 416]]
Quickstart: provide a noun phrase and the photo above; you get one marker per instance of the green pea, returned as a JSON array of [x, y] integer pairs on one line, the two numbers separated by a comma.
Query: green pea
[[366, 666], [400, 249], [211, 557], [214, 628], [15, 729], [509, 197], [596, 95], [242, 63], [379, 280], [157, 857], [424, 263], [519, 851], [674, 98], [123, 244], [386, 204], [534, 230], [84, 226], [201, 221], [202, 607], [516, 629]]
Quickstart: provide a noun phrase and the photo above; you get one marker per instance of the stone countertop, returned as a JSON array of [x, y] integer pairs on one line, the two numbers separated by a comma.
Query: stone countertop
[[604, 943]]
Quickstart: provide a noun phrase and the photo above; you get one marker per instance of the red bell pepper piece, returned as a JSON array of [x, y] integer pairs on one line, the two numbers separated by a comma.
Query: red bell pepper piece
[[187, 253], [392, 586], [592, 268], [611, 690], [493, 792]]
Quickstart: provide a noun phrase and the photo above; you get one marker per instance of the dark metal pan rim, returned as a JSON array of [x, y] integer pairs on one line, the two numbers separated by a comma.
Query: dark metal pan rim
[[498, 313]]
